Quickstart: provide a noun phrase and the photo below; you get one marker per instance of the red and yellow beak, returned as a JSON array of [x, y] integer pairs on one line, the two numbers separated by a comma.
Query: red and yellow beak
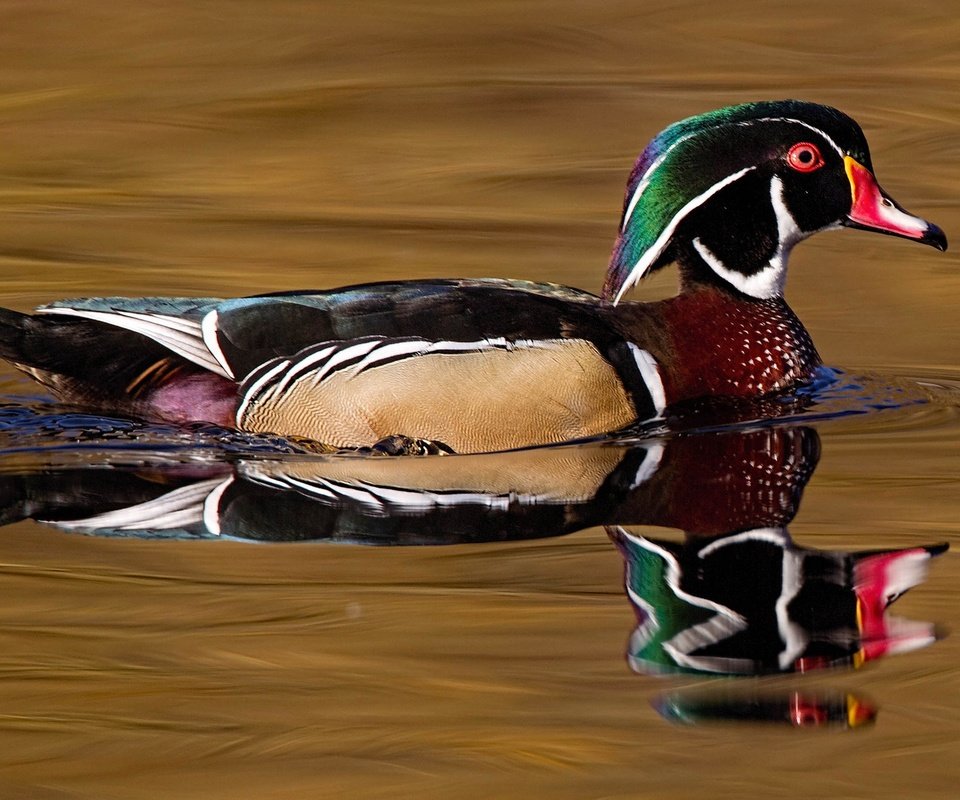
[[874, 210]]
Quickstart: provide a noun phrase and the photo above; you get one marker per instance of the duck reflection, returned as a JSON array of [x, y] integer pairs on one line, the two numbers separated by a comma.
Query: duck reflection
[[735, 597], [797, 709], [754, 603], [704, 484]]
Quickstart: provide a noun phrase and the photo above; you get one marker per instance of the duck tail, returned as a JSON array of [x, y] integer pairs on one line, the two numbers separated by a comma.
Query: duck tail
[[109, 369], [34, 342], [13, 325], [71, 355]]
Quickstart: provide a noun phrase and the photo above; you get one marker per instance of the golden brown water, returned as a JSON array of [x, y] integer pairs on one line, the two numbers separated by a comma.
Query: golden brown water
[[230, 148]]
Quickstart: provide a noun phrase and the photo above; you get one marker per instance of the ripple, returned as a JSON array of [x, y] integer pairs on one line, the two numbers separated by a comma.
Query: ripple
[[42, 433], [863, 404], [923, 404]]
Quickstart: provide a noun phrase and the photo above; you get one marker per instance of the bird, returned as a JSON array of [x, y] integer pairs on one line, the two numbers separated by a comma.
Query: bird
[[439, 366]]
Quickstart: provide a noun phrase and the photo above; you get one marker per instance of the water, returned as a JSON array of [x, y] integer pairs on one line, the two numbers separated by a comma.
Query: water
[[218, 149]]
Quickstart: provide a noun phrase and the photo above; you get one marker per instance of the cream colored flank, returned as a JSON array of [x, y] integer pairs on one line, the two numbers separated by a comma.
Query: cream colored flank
[[473, 401]]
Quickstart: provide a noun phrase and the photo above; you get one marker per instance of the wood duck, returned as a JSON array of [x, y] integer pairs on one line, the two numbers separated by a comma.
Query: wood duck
[[480, 365]]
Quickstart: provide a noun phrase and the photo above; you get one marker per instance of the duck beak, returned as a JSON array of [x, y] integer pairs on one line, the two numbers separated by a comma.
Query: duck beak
[[874, 210]]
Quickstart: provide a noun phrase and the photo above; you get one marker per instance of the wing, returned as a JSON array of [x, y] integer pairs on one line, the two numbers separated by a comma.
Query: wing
[[178, 324], [233, 337], [251, 331]]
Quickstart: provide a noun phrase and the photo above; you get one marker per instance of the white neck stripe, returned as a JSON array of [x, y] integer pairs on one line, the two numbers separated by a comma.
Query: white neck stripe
[[788, 231]]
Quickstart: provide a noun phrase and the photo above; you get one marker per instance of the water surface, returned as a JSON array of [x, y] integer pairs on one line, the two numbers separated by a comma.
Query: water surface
[[219, 149]]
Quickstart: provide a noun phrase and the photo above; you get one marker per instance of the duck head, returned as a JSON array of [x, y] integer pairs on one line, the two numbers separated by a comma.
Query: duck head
[[727, 194]]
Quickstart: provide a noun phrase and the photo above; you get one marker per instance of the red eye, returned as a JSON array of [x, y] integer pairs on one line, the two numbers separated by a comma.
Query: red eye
[[804, 157]]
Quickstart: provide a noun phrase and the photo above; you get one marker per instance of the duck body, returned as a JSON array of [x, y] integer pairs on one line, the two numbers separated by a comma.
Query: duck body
[[478, 365]]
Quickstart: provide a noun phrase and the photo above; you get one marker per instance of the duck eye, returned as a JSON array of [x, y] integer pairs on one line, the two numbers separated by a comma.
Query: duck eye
[[804, 157]]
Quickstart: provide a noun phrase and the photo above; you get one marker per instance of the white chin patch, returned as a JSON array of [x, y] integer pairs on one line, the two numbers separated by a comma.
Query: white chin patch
[[763, 285], [769, 281]]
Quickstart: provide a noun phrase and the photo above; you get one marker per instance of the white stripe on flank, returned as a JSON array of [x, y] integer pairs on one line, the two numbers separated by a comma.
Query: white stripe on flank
[[387, 351], [360, 349], [310, 487], [315, 367], [463, 347], [377, 496], [424, 499], [324, 363], [209, 327], [650, 254], [355, 493], [300, 368], [259, 477], [543, 344], [251, 393], [303, 366], [650, 372]]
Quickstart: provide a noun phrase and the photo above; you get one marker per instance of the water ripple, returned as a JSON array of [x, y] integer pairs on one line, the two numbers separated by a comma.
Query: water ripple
[[33, 429]]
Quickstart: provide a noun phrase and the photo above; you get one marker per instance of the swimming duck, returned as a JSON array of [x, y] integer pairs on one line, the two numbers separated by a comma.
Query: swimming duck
[[477, 365]]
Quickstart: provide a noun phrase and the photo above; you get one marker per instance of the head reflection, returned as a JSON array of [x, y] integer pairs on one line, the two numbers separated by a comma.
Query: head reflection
[[753, 602]]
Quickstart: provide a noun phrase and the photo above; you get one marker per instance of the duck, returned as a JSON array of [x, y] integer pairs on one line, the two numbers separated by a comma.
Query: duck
[[476, 365]]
